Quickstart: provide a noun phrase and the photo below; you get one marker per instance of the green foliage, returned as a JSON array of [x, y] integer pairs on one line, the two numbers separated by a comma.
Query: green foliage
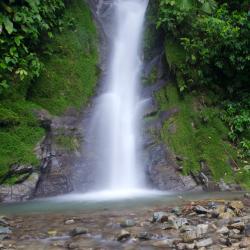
[[215, 40], [237, 116], [199, 134], [67, 78], [70, 74], [22, 25], [18, 139]]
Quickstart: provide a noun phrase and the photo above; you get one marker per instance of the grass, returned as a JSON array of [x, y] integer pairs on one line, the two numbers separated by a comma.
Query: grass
[[68, 80], [200, 135]]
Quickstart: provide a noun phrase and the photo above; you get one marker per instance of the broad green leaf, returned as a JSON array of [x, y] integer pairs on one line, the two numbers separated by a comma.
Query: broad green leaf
[[8, 25]]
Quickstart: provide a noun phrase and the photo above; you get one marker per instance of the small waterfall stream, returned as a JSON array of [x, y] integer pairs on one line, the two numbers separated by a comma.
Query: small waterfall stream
[[115, 127]]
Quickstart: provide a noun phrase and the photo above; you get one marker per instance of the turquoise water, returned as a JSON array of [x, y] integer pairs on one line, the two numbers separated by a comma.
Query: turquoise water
[[75, 202]]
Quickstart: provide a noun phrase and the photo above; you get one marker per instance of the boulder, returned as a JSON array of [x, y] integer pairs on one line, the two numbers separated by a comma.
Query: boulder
[[19, 192]]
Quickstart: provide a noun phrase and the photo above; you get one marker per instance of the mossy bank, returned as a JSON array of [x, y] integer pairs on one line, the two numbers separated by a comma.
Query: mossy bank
[[68, 80]]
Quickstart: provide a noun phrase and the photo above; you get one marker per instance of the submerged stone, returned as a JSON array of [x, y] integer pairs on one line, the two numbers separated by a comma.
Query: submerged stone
[[78, 231]]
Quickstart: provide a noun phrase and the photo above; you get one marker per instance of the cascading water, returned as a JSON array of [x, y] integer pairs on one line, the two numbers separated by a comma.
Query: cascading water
[[115, 127]]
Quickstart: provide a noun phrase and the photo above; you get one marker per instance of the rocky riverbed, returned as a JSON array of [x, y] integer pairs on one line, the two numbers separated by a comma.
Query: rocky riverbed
[[207, 224]]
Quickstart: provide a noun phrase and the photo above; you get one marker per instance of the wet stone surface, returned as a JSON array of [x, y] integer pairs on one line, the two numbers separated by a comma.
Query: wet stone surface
[[196, 225]]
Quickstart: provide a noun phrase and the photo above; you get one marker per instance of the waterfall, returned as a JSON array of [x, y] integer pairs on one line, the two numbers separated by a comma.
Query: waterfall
[[116, 123]]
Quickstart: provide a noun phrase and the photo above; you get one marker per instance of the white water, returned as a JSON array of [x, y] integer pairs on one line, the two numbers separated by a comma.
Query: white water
[[116, 123]]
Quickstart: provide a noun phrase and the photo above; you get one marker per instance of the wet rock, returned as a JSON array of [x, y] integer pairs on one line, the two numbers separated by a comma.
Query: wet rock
[[4, 237], [182, 246], [192, 233], [189, 236], [247, 230], [128, 223], [176, 211], [201, 229], [204, 243], [247, 195], [73, 245], [3, 221], [201, 210], [21, 169], [223, 230], [164, 243], [225, 241], [5, 230], [178, 222], [19, 192], [144, 236], [245, 243], [78, 231], [212, 205], [236, 205], [160, 217], [227, 215], [69, 222], [240, 226], [123, 236]]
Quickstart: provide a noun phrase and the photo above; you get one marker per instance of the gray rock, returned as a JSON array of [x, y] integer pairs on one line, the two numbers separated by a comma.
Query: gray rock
[[201, 229], [178, 222], [247, 195], [201, 210], [20, 169], [69, 222], [144, 236], [5, 230], [128, 223], [4, 237], [240, 226], [247, 230], [19, 192], [223, 230], [160, 217], [204, 243], [176, 211], [78, 231], [3, 221], [124, 235]]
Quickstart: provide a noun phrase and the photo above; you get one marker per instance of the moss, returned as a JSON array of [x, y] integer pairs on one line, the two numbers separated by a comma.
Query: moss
[[152, 78], [17, 142], [175, 54], [68, 79], [200, 134], [70, 73], [67, 142]]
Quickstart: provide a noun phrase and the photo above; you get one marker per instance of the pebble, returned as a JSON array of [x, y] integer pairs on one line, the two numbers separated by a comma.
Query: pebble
[[128, 223], [201, 210], [124, 235], [223, 230], [204, 243], [69, 222], [78, 231], [160, 217]]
